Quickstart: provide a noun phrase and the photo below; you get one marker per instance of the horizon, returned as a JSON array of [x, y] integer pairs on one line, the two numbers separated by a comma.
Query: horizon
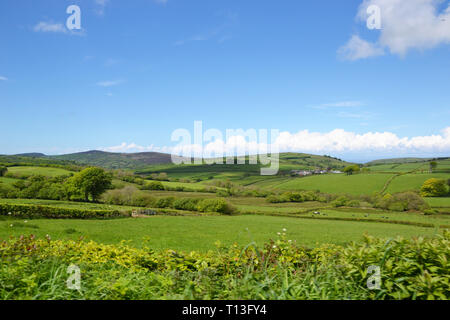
[[253, 154]]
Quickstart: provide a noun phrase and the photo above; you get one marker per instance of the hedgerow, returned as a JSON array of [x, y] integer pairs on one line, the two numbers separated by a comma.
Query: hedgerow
[[38, 211], [280, 269]]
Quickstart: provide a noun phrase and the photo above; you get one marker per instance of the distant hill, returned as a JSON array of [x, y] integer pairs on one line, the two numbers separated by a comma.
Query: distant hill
[[152, 161], [397, 161], [112, 160], [32, 155]]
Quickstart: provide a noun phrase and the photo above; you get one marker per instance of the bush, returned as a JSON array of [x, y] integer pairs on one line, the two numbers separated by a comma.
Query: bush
[[154, 185], [434, 188], [340, 202], [35, 211], [189, 204], [215, 205], [164, 202]]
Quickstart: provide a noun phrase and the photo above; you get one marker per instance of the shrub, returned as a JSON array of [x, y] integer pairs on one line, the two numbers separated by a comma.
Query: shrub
[[35, 211], [164, 202], [434, 188], [153, 185], [189, 204], [216, 205], [340, 202]]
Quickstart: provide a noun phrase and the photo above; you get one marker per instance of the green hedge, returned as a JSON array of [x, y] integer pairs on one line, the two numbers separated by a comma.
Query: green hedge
[[37, 211]]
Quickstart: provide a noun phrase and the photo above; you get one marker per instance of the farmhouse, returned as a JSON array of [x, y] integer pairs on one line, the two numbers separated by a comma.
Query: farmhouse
[[304, 173]]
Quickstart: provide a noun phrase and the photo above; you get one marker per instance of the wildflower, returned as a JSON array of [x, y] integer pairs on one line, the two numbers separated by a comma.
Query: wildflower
[[274, 247], [278, 233], [11, 225], [284, 230], [25, 221], [9, 213]]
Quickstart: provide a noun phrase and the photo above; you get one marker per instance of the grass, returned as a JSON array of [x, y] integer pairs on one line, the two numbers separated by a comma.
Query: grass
[[413, 181], [439, 202], [67, 204], [45, 171], [338, 183], [7, 181], [200, 233]]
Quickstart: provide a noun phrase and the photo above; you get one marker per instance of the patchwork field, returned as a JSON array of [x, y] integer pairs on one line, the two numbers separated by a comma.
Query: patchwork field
[[45, 171], [338, 183], [412, 181]]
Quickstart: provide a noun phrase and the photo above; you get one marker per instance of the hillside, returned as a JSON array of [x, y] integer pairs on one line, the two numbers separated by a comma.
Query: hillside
[[155, 162], [117, 160]]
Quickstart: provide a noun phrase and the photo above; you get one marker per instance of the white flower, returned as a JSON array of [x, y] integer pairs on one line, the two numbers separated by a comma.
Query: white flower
[[10, 225], [9, 213], [278, 233], [284, 230], [25, 221], [274, 247]]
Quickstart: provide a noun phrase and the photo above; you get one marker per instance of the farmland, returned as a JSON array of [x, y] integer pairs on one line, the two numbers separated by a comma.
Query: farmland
[[205, 215]]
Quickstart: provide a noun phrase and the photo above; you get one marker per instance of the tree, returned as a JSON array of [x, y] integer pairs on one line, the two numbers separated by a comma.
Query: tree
[[434, 188], [351, 169], [92, 182], [433, 165], [3, 171]]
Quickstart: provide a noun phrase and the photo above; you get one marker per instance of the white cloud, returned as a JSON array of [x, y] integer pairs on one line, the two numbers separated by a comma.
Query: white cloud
[[3, 78], [109, 83], [50, 27], [340, 104], [133, 147], [406, 25], [357, 48], [337, 141]]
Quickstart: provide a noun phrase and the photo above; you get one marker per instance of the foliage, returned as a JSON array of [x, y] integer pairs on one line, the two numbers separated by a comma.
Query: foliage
[[349, 170], [91, 182], [37, 211], [402, 201], [33, 268], [215, 205], [434, 188], [153, 185], [3, 171]]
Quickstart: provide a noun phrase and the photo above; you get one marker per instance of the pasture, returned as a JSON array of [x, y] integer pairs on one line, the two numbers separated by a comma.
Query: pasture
[[412, 181], [201, 233], [337, 183], [44, 171]]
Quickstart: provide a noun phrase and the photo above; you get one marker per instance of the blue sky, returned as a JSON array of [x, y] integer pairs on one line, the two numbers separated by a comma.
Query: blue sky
[[140, 69]]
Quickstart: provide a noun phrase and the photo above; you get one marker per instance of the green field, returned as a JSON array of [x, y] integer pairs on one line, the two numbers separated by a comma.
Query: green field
[[337, 183], [413, 181], [68, 204], [200, 233], [45, 171], [439, 202], [7, 181]]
